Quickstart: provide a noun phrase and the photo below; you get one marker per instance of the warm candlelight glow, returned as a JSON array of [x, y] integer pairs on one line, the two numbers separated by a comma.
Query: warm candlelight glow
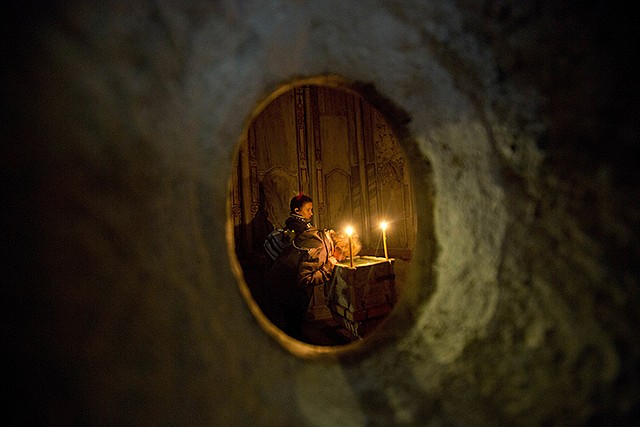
[[383, 226], [349, 231]]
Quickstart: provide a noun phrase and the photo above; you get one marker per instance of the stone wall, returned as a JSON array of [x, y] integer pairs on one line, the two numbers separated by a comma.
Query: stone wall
[[123, 302]]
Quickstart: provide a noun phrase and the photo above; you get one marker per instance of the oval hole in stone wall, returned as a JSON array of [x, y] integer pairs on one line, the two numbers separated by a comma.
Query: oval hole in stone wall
[[322, 137]]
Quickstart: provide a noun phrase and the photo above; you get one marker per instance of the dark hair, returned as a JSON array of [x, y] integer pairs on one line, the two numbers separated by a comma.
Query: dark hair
[[298, 201]]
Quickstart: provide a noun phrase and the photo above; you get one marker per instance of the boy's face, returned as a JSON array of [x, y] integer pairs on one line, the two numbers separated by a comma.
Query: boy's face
[[306, 210]]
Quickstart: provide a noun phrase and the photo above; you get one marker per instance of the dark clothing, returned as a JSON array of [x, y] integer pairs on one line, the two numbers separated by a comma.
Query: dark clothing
[[278, 239], [291, 279], [296, 224]]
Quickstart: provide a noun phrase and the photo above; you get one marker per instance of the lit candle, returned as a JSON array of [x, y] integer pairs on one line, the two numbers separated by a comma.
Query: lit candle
[[349, 231], [383, 226]]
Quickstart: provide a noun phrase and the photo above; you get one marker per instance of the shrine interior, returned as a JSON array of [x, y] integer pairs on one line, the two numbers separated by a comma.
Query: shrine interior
[[332, 144]]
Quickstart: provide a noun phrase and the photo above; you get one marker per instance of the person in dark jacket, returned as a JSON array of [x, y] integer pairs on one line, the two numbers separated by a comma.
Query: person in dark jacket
[[299, 220], [307, 262]]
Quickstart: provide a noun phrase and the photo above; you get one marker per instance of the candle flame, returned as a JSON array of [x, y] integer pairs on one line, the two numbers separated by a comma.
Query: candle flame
[[383, 225], [349, 230]]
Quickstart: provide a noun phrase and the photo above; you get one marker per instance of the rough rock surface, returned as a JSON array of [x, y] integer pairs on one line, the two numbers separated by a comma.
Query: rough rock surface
[[123, 307]]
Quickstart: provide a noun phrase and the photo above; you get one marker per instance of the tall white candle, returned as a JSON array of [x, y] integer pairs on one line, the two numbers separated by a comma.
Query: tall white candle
[[349, 232], [383, 226]]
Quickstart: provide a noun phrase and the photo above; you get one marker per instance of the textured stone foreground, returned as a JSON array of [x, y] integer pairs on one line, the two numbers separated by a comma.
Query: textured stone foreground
[[123, 301]]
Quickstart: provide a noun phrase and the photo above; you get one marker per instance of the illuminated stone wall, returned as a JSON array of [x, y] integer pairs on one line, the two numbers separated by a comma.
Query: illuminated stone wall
[[123, 305]]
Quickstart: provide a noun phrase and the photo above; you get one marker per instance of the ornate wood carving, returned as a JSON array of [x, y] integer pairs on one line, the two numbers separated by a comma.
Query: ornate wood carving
[[389, 161], [301, 139], [319, 187], [253, 174]]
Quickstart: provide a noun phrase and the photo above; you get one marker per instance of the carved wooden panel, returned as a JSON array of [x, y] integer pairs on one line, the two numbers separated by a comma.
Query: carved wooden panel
[[280, 156], [393, 199]]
